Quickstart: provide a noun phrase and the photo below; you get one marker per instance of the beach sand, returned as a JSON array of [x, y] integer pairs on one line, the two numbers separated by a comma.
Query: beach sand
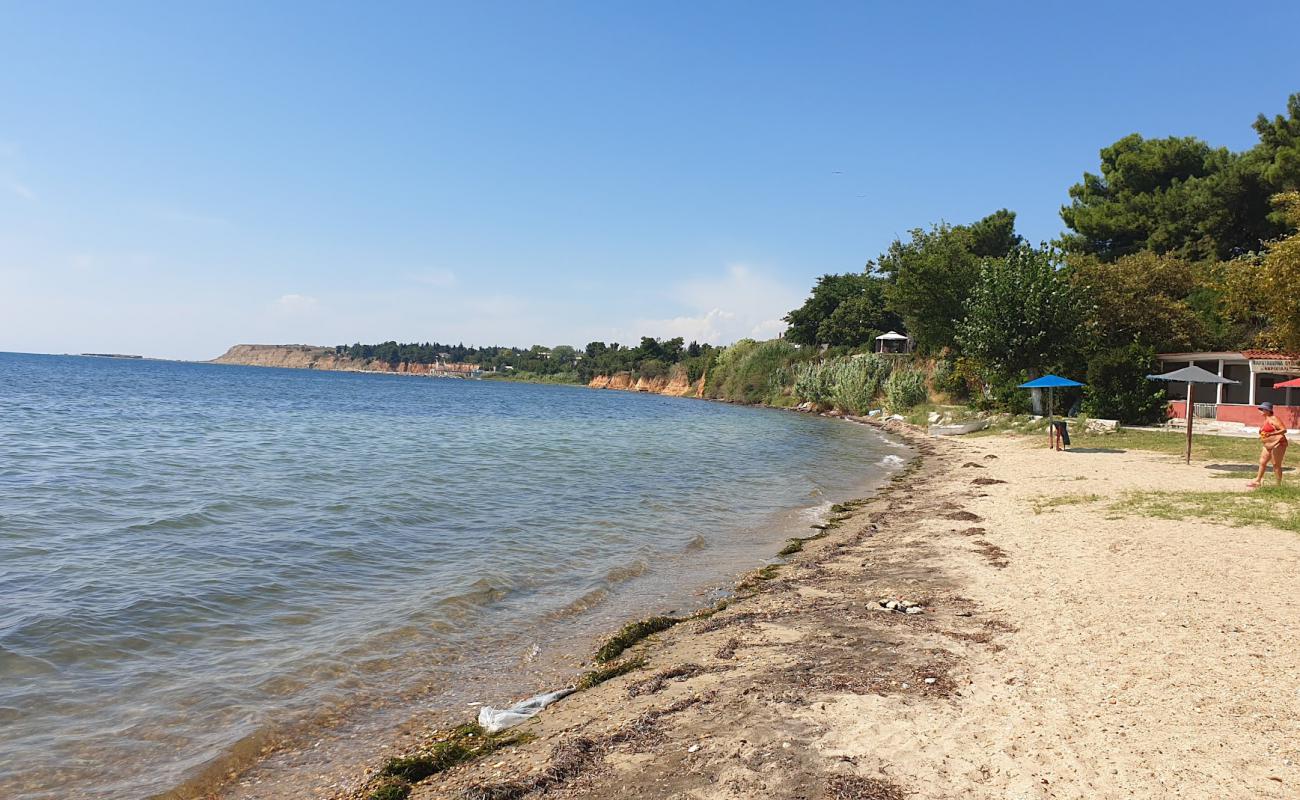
[[1065, 650]]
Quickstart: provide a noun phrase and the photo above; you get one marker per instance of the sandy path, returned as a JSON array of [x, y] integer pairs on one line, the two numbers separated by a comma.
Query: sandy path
[[1065, 651]]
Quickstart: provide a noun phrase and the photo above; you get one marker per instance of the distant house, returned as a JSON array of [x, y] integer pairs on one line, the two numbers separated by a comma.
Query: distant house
[[1255, 372]]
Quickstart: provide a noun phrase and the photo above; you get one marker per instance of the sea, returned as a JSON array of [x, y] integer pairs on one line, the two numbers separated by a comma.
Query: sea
[[204, 564]]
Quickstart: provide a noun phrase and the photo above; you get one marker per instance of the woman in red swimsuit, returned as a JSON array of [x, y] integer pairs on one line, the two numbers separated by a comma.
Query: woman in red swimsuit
[[1272, 434]]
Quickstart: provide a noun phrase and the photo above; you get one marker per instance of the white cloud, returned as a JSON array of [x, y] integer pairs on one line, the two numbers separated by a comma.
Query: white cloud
[[296, 304], [22, 190], [743, 303]]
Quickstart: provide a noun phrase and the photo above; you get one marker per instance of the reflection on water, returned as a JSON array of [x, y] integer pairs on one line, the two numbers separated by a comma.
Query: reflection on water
[[192, 554]]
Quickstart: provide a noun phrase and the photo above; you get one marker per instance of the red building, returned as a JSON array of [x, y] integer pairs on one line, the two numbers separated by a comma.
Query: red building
[[1256, 371]]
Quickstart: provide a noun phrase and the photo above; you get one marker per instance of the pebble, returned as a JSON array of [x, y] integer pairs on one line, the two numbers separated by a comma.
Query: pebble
[[931, 680], [693, 748]]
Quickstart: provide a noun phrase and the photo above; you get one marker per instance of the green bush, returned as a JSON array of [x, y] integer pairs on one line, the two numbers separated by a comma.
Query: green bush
[[951, 378], [1118, 387], [857, 382], [905, 389], [812, 383], [752, 372], [851, 384]]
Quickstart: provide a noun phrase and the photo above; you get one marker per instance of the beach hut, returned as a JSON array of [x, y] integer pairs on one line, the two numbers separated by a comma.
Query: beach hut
[[1050, 383], [1191, 376]]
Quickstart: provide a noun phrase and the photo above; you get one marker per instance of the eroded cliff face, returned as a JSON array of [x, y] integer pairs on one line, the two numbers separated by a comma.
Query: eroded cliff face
[[676, 385]]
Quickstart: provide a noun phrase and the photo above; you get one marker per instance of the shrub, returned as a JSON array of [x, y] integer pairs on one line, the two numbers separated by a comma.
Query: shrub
[[905, 389], [752, 372], [1118, 387], [950, 378], [812, 383]]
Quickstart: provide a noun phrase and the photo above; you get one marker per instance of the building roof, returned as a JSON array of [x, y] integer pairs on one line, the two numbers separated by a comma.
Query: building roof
[[1247, 355], [892, 335], [1278, 354], [1214, 355]]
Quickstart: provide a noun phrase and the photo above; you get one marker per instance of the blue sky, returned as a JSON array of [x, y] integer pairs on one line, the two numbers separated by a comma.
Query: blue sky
[[179, 177]]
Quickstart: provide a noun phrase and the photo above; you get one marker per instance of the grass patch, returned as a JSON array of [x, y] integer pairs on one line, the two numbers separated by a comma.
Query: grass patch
[[457, 746], [1204, 446], [1042, 504], [601, 674], [1277, 507], [632, 633]]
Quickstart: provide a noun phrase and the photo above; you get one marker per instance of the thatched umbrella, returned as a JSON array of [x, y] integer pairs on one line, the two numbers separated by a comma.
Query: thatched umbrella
[[1191, 375]]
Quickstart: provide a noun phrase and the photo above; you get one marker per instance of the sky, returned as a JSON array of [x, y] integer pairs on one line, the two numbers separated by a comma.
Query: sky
[[176, 178]]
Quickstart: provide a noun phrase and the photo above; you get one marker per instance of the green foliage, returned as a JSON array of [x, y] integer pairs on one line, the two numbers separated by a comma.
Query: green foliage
[[753, 372], [933, 274], [1263, 290], [849, 383], [1139, 298], [843, 311], [951, 378], [905, 389], [1180, 195], [812, 383], [857, 381], [1023, 315], [1118, 388]]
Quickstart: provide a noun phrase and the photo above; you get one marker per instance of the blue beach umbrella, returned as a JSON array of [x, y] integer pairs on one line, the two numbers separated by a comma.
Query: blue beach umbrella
[[1049, 382]]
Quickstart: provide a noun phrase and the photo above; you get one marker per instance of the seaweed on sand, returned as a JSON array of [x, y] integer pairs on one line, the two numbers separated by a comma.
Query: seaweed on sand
[[458, 746], [632, 633], [598, 676]]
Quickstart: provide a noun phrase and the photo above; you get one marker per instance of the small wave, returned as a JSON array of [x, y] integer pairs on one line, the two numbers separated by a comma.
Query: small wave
[[696, 544], [481, 592], [892, 461], [626, 572], [583, 604]]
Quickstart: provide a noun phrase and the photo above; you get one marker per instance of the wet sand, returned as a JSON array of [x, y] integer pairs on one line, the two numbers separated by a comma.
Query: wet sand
[[1063, 650]]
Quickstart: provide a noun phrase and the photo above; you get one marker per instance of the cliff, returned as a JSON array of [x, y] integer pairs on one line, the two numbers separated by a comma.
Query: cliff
[[305, 356], [292, 356], [674, 385]]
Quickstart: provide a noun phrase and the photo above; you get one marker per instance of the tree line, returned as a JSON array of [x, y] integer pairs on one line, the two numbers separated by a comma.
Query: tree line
[[1172, 245]]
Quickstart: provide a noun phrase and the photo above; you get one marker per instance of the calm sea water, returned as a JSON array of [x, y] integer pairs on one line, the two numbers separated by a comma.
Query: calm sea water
[[191, 554]]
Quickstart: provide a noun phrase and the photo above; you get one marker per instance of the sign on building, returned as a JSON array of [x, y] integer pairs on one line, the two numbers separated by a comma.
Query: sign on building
[[1276, 366]]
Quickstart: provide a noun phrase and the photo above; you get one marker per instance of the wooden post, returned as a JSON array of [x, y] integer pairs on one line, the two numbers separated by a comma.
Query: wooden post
[[1191, 410]]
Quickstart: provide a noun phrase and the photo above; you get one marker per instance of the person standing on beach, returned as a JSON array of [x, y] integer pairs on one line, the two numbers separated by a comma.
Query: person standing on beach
[[1272, 434]]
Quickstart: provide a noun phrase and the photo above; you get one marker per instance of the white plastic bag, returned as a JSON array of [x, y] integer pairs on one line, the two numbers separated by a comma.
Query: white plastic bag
[[498, 719]]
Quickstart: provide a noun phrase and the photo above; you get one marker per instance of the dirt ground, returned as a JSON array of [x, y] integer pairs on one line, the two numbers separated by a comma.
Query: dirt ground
[[1063, 649]]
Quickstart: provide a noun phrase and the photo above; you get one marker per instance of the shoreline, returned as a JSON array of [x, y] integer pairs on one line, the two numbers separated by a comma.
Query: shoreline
[[257, 766], [1065, 647]]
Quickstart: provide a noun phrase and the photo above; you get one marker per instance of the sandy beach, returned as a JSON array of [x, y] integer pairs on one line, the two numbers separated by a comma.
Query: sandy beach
[[1065, 648]]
